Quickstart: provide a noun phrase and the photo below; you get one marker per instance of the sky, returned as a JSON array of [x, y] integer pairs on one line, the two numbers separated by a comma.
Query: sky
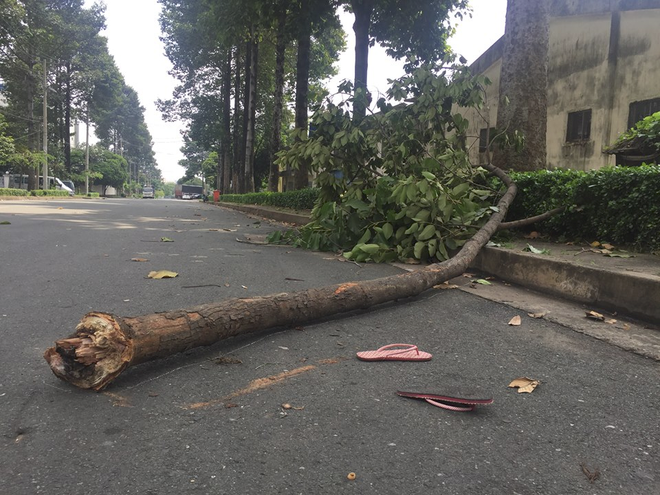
[[134, 42]]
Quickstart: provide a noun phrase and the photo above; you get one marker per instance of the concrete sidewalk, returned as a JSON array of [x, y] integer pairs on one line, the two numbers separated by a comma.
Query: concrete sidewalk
[[620, 282]]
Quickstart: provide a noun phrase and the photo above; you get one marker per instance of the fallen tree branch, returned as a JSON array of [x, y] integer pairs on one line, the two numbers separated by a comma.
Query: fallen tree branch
[[104, 345], [530, 220]]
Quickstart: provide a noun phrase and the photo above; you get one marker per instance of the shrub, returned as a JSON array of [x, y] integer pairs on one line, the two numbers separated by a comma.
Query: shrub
[[620, 205], [5, 191], [51, 192], [303, 199]]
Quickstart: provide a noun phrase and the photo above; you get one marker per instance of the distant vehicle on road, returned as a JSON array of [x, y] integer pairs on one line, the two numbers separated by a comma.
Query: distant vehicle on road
[[188, 191], [148, 192], [70, 185]]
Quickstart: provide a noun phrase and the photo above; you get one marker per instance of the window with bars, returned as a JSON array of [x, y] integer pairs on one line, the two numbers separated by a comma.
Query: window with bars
[[579, 126], [640, 109]]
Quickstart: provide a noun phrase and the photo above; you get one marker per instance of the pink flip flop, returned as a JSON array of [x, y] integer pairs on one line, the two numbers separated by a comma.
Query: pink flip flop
[[395, 352]]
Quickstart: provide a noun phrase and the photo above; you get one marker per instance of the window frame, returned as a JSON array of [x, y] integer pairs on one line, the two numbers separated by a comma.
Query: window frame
[[578, 126]]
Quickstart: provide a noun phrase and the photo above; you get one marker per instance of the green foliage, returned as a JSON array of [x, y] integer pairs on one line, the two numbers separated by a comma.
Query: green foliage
[[397, 184], [620, 205], [5, 191], [645, 134], [50, 192], [303, 199]]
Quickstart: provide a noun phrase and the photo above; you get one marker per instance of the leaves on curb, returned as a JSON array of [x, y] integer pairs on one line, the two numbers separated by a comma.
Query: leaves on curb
[[524, 385], [162, 274], [482, 281], [593, 315], [538, 315]]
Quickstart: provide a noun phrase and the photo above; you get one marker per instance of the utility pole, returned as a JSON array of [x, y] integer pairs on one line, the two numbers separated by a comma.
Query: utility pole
[[46, 185]]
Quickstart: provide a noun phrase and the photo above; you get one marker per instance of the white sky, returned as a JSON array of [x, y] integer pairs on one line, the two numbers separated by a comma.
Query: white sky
[[134, 42]]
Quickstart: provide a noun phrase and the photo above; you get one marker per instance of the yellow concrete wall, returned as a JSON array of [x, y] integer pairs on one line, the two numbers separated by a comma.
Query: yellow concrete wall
[[580, 77]]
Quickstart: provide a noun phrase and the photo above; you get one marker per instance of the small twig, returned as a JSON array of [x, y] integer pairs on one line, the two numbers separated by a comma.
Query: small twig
[[591, 475], [196, 286]]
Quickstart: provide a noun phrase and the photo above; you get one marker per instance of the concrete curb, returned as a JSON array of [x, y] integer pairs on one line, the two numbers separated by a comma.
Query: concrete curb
[[628, 293], [624, 292]]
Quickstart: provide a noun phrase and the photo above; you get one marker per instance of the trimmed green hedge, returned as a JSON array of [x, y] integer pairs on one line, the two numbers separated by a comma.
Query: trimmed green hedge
[[303, 199], [5, 191], [620, 205], [51, 192]]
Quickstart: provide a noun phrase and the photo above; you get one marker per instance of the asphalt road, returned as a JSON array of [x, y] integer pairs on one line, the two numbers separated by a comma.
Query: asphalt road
[[211, 420]]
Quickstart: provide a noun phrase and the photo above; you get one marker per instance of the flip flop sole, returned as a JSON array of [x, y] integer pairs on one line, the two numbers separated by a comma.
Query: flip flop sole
[[391, 356]]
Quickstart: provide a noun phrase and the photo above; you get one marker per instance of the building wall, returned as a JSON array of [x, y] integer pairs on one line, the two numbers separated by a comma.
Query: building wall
[[598, 59]]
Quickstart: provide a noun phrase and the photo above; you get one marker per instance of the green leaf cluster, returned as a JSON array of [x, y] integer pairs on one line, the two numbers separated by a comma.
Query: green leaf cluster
[[397, 184]]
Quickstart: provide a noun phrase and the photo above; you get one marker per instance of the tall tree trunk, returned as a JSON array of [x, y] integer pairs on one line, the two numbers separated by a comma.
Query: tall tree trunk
[[67, 118], [246, 115], [276, 139], [104, 345], [33, 177], [362, 10], [301, 175], [237, 126], [523, 81], [224, 169], [251, 104]]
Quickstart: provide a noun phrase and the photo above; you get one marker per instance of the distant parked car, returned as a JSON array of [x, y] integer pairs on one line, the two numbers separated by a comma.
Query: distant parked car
[[63, 186], [148, 192], [70, 185]]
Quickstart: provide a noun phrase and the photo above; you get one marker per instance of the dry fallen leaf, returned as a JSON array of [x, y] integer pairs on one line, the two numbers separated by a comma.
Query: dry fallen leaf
[[166, 239], [162, 274], [139, 259], [468, 275], [626, 327], [595, 244], [445, 285], [595, 316], [524, 385], [591, 475], [515, 321], [289, 406], [532, 235], [537, 315], [611, 321], [608, 246]]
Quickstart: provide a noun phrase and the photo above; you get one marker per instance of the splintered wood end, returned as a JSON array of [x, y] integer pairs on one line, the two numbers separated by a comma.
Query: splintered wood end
[[95, 355]]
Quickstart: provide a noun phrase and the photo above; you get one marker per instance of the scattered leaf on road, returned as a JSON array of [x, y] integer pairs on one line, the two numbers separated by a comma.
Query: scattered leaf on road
[[611, 321], [162, 274], [289, 406], [626, 327], [445, 285], [537, 315], [595, 316], [607, 246], [141, 260], [595, 244], [468, 275], [5, 222], [515, 321], [591, 475], [524, 385], [482, 281], [166, 239]]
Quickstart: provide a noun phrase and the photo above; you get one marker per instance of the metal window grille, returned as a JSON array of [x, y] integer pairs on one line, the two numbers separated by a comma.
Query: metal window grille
[[579, 126]]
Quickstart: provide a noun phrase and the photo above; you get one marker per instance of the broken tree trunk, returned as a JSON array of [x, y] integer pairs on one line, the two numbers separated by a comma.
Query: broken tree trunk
[[104, 345]]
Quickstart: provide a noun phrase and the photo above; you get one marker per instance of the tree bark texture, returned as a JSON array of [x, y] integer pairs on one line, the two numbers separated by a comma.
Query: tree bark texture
[[523, 81], [301, 175], [104, 345], [276, 139], [252, 115], [226, 127], [362, 10]]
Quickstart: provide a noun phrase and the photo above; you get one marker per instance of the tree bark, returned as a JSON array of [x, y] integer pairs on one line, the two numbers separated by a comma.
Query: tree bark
[[301, 175], [251, 103], [104, 345], [523, 81], [362, 10], [226, 127], [278, 103]]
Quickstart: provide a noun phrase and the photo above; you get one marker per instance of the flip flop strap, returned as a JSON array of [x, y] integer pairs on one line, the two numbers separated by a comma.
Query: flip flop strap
[[467, 407], [409, 347]]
